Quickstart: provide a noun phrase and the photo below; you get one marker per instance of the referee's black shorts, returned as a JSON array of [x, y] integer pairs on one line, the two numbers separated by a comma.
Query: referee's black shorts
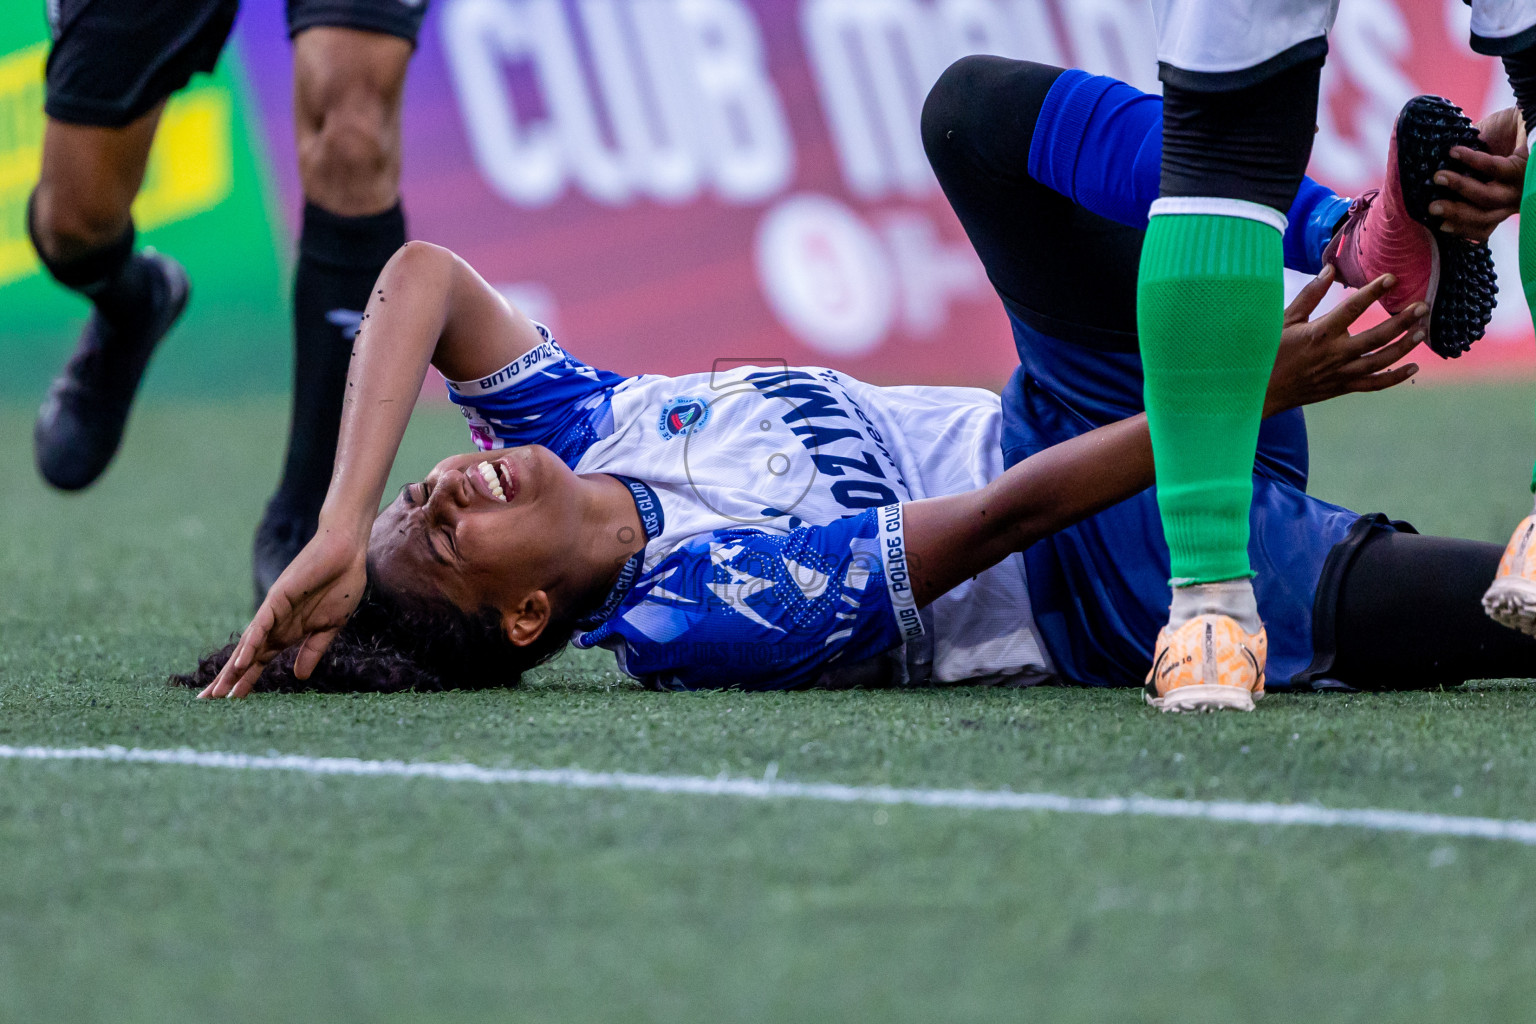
[[114, 60]]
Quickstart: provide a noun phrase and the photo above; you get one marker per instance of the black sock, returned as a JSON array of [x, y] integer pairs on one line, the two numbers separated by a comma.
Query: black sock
[[1521, 68], [339, 260], [118, 281]]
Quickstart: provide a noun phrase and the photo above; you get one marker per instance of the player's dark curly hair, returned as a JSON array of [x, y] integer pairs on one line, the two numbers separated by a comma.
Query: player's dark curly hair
[[399, 641]]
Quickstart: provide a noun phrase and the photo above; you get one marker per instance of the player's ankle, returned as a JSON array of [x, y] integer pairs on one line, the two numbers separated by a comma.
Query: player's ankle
[[133, 296], [1232, 598]]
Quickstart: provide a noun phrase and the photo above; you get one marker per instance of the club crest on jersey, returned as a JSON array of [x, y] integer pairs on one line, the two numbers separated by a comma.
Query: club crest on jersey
[[682, 415]]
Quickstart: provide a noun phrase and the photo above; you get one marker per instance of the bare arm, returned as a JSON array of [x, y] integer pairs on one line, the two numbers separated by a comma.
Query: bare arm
[[951, 539], [428, 307]]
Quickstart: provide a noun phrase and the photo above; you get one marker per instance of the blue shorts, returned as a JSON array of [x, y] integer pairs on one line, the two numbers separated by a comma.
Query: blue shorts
[[1100, 589]]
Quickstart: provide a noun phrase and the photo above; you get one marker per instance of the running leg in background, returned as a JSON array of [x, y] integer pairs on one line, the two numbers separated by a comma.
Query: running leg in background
[[83, 233], [1507, 29], [348, 85], [109, 73]]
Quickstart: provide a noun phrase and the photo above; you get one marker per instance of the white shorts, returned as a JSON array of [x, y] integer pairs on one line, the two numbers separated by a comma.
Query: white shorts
[[1503, 26], [1221, 37]]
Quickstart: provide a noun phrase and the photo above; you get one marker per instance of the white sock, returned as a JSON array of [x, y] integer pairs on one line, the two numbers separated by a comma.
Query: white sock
[[1232, 598]]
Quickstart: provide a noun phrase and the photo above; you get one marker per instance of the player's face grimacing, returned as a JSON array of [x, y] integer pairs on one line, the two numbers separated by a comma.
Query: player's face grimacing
[[452, 534]]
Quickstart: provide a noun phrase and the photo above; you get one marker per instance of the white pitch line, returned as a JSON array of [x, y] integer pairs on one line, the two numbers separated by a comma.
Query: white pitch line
[[1370, 819]]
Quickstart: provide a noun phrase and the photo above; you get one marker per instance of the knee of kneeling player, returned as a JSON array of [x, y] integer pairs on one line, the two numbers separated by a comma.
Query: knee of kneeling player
[[967, 95]]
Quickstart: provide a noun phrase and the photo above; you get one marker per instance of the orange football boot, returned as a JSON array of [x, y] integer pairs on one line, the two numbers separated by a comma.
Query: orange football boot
[[1208, 664], [1511, 599]]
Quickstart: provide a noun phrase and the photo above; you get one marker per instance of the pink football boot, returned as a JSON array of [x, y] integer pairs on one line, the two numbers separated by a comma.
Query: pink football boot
[[1390, 231]]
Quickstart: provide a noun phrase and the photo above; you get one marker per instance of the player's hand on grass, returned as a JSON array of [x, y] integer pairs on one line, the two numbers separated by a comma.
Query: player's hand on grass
[[1319, 359], [307, 606], [1490, 194]]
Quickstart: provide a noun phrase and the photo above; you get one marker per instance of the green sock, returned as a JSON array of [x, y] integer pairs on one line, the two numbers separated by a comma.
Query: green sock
[[1209, 309], [1528, 250]]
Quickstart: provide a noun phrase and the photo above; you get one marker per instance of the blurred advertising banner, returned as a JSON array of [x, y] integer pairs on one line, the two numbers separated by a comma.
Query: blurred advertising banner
[[203, 199], [670, 182]]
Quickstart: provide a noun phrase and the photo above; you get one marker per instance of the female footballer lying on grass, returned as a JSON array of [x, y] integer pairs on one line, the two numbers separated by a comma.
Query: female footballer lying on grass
[[771, 527]]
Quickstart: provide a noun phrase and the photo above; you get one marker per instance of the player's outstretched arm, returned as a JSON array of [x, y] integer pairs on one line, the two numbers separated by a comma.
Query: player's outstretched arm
[[428, 307], [951, 539]]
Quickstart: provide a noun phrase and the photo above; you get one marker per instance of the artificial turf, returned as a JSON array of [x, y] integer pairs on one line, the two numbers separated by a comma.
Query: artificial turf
[[170, 893]]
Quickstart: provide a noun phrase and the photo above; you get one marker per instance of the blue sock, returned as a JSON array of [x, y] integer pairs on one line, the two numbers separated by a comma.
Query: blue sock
[[1310, 223], [1087, 126]]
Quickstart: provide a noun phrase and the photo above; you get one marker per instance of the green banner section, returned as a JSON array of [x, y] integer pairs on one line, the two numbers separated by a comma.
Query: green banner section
[[205, 201]]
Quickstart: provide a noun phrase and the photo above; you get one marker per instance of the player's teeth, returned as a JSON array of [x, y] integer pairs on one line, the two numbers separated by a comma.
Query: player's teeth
[[488, 473]]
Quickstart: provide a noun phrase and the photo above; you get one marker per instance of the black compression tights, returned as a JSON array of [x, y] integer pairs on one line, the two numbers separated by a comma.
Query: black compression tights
[[1408, 614], [1252, 144], [1038, 246]]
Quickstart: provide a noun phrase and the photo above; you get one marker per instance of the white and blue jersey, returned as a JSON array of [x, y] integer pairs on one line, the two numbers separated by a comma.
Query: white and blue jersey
[[771, 496]]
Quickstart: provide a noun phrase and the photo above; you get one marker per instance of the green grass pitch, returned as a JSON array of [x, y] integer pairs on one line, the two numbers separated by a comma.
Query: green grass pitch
[[141, 893]]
